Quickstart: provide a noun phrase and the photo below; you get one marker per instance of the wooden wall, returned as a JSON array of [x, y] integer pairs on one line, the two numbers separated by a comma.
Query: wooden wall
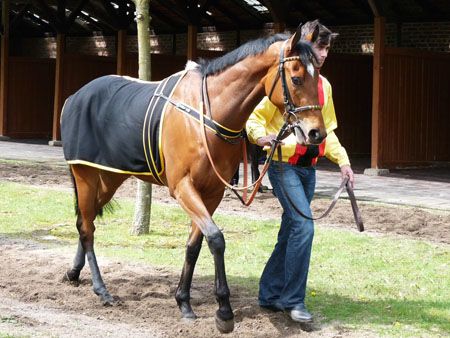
[[31, 86], [30, 97], [80, 69], [415, 115], [165, 65], [351, 80]]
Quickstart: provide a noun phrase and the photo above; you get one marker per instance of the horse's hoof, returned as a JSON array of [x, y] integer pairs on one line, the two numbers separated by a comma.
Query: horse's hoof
[[108, 300], [224, 326], [70, 278], [187, 312], [189, 315]]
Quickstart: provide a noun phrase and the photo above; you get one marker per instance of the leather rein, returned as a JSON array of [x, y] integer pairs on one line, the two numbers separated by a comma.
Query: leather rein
[[290, 110]]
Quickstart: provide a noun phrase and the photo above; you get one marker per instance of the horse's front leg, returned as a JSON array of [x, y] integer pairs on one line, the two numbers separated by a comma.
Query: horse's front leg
[[191, 201]]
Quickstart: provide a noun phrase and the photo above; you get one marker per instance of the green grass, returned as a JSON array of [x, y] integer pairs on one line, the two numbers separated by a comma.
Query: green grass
[[386, 284]]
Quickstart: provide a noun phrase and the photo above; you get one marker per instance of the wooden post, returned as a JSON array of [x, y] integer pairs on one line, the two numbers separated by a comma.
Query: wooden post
[[121, 51], [59, 85], [377, 92], [4, 57], [192, 42], [142, 209]]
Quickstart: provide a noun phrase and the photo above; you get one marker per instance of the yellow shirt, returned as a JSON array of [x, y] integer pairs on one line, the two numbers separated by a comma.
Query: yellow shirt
[[267, 119]]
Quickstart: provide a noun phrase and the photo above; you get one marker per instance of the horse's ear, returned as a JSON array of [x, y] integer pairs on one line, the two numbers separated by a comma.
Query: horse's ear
[[294, 39], [311, 33]]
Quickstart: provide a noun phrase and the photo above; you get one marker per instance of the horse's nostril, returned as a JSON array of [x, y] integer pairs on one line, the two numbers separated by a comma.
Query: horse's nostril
[[314, 135]]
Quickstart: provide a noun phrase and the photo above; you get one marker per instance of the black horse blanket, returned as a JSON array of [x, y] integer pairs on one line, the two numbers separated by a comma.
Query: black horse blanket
[[114, 123]]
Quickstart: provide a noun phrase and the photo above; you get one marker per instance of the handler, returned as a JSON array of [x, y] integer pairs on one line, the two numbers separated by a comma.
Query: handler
[[283, 281]]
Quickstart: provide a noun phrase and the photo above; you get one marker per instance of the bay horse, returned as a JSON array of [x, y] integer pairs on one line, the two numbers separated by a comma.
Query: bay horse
[[115, 127]]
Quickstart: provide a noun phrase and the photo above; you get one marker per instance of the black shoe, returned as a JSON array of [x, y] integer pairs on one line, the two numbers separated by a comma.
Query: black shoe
[[300, 314]]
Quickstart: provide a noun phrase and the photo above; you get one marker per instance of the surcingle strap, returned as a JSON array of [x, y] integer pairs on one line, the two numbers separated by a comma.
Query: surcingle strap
[[210, 124], [154, 117]]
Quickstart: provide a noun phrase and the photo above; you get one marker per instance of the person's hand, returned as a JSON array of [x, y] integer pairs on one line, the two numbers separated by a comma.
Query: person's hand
[[266, 140], [346, 171]]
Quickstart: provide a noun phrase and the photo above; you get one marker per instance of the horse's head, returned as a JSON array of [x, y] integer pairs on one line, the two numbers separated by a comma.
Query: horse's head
[[291, 85]]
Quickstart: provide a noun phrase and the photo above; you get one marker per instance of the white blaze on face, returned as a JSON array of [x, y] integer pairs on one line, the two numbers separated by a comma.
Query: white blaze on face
[[299, 136], [310, 69]]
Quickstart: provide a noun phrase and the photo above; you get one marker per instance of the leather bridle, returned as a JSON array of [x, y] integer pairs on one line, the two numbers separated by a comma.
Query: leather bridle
[[290, 108]]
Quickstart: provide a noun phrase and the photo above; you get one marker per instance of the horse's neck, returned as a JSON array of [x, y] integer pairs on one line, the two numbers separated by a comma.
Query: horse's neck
[[235, 92]]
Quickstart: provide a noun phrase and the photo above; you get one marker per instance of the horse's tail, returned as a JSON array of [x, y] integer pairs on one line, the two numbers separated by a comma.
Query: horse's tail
[[77, 209]]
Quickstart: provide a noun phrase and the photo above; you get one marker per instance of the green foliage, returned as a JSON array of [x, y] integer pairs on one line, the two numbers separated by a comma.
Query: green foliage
[[386, 284]]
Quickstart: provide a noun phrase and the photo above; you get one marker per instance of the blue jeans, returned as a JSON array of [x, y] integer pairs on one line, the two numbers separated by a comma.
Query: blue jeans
[[283, 281]]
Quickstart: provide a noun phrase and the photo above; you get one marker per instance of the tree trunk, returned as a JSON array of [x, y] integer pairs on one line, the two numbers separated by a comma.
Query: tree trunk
[[142, 211]]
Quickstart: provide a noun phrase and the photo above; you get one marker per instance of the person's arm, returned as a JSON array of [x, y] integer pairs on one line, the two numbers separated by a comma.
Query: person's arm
[[336, 153], [257, 122]]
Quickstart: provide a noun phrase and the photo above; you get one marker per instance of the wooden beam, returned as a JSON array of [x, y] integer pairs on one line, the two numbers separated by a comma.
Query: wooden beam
[[432, 11], [99, 26], [59, 86], [307, 14], [51, 15], [164, 18], [121, 51], [61, 11], [376, 7], [4, 58], [174, 10], [279, 11], [19, 16], [333, 9], [121, 21], [377, 92], [250, 10], [363, 6], [226, 12], [192, 42], [104, 16], [75, 12]]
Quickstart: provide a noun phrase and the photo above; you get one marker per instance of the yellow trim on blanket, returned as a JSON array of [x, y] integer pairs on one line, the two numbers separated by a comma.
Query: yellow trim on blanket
[[161, 122], [143, 131], [103, 167]]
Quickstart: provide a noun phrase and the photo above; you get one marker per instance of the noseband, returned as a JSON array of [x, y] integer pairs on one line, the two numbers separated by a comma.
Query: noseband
[[290, 108]]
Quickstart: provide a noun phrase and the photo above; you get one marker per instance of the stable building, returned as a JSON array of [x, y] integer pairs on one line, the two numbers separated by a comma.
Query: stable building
[[389, 68]]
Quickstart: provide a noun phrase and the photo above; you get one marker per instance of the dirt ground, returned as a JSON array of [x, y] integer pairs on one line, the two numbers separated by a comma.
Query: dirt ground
[[35, 303]]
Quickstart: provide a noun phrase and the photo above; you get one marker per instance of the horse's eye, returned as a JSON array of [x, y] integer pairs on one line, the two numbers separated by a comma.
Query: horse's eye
[[297, 81]]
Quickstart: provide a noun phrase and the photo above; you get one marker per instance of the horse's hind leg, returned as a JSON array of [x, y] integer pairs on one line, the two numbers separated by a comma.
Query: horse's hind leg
[[90, 200], [183, 295], [73, 274], [191, 201]]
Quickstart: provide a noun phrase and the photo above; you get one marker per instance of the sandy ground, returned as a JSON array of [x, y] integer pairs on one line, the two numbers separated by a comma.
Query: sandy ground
[[35, 303]]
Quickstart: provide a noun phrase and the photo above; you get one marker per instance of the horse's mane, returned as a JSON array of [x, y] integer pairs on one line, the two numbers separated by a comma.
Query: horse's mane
[[254, 47]]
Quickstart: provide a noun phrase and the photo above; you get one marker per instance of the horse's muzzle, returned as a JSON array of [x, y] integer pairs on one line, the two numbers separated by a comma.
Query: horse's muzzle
[[315, 136]]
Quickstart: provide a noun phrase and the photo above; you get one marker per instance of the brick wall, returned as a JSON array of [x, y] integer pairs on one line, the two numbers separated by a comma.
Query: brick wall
[[352, 40], [94, 45], [429, 35]]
